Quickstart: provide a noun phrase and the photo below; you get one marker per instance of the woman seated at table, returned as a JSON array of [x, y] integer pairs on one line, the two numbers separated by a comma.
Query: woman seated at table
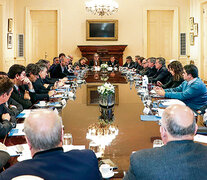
[[176, 69]]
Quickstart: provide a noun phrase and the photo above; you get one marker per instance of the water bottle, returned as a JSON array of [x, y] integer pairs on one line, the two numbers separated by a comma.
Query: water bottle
[[145, 81], [205, 117]]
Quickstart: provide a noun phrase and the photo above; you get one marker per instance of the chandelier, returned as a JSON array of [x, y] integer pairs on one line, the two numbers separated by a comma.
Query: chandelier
[[102, 7]]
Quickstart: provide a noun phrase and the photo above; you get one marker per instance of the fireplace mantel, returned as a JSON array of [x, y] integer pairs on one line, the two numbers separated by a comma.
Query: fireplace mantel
[[104, 51]]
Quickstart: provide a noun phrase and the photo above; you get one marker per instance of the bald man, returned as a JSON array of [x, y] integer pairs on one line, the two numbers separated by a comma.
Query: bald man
[[43, 129], [179, 158]]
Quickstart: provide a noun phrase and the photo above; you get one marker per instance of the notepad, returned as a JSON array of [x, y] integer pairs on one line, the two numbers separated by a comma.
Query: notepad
[[149, 118]]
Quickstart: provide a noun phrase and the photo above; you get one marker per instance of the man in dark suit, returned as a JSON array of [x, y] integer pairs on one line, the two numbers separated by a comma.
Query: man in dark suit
[[43, 129], [151, 67], [55, 62], [162, 74], [6, 87], [138, 63], [179, 158], [60, 71], [32, 72], [113, 62], [39, 85], [96, 61], [129, 63], [23, 91]]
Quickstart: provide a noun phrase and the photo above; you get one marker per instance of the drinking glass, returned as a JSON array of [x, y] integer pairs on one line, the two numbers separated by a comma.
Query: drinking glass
[[67, 139]]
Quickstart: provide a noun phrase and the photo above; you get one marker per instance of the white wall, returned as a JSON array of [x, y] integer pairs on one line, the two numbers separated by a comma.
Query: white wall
[[74, 16]]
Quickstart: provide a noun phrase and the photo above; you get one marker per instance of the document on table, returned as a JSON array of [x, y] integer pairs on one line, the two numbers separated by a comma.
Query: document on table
[[200, 138], [18, 131], [16, 150], [24, 114], [72, 147], [149, 118]]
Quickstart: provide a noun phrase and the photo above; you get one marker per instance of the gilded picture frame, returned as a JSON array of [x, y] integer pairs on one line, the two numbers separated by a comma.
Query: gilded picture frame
[[90, 38], [195, 29], [92, 95], [191, 22], [9, 40], [191, 36]]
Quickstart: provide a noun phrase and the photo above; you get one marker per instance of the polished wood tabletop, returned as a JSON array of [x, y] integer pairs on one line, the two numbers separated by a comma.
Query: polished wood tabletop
[[111, 76], [133, 133]]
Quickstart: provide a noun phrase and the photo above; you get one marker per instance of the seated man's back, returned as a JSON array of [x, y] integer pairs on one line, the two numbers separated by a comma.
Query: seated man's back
[[176, 160], [179, 158], [43, 130], [55, 164]]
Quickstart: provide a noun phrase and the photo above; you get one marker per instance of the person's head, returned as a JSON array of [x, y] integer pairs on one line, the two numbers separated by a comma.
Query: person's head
[[137, 58], [128, 59], [63, 61], [140, 60], [160, 62], [17, 74], [56, 60], [3, 74], [96, 57], [190, 72], [61, 55], [177, 123], [151, 61], [42, 71], [6, 88], [70, 57], [44, 61], [32, 72], [112, 59], [83, 60], [176, 69], [145, 63], [43, 129]]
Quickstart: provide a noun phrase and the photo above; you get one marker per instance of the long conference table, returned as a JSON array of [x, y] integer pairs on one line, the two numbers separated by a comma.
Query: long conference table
[[78, 115]]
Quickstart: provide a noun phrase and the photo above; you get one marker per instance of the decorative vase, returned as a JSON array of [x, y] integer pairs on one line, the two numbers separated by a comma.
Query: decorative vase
[[106, 100]]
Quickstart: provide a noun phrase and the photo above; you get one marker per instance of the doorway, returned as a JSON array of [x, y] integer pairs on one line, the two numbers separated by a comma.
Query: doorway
[[160, 33], [43, 35]]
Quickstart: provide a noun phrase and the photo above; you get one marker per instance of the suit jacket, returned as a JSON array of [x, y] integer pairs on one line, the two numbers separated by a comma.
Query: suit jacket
[[115, 64], [18, 96], [39, 86], [91, 63], [4, 157], [13, 112], [172, 83], [49, 80], [131, 65], [55, 164], [193, 95], [176, 160], [5, 125], [138, 67], [151, 72], [162, 75], [57, 72]]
